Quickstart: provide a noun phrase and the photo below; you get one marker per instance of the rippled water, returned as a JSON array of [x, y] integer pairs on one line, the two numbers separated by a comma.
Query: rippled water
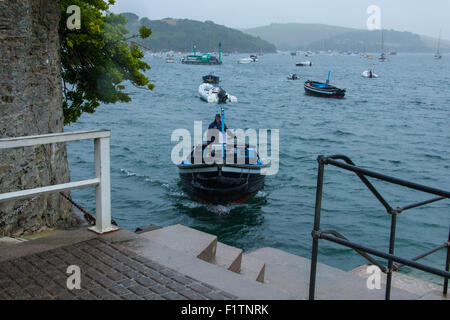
[[397, 124]]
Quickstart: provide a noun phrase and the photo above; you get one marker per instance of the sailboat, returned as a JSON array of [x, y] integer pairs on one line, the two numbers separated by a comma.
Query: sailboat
[[438, 55], [382, 57]]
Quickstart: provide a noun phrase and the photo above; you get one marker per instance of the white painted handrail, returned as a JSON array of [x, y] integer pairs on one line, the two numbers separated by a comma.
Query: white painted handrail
[[102, 180]]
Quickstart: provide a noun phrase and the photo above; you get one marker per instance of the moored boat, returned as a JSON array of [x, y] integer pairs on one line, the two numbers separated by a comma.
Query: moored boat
[[438, 55], [383, 56], [293, 76], [245, 61], [304, 64], [369, 74], [324, 90], [203, 59], [211, 92]]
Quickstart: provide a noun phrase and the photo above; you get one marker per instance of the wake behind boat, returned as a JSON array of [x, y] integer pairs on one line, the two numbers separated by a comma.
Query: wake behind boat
[[211, 92]]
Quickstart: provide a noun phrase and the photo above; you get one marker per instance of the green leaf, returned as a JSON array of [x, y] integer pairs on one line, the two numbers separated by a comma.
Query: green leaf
[[96, 60]]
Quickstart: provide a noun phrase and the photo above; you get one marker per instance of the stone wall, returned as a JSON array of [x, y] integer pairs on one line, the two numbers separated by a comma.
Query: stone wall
[[30, 104]]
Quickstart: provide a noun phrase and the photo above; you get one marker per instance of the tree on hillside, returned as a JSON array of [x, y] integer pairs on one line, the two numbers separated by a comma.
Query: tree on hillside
[[97, 58]]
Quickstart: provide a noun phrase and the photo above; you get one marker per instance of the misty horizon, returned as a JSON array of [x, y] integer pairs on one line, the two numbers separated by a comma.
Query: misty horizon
[[410, 16]]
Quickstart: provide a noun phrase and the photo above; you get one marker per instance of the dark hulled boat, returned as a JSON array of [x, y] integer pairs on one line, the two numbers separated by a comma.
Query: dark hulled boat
[[221, 182], [211, 79], [319, 89]]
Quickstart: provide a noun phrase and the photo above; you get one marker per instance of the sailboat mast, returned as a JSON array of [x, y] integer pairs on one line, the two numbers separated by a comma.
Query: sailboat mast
[[439, 42]]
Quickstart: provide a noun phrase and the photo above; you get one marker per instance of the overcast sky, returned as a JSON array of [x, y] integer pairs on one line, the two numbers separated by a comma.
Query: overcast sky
[[423, 17]]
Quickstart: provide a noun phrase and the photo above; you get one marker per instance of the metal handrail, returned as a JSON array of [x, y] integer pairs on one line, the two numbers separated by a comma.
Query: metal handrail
[[101, 182], [335, 237]]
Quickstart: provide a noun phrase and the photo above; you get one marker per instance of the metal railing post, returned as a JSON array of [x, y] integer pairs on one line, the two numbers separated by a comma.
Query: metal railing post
[[315, 235], [391, 251], [102, 180], [447, 264], [336, 237], [103, 190]]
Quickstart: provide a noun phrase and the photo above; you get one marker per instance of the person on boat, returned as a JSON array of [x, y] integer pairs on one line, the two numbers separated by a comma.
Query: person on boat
[[217, 125]]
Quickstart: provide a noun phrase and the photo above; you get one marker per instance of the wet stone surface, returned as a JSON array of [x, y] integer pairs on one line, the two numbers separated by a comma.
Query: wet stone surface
[[108, 272]]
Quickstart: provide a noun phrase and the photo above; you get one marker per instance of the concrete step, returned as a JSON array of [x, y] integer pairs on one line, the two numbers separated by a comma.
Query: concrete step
[[186, 240], [7, 241], [253, 268], [291, 273], [424, 289], [228, 257], [211, 274]]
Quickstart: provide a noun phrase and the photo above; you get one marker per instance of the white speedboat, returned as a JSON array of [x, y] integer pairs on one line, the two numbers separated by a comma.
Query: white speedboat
[[369, 74], [214, 94], [245, 61], [211, 92]]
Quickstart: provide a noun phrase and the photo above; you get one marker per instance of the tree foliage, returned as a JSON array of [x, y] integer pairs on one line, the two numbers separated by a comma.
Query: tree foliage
[[97, 59]]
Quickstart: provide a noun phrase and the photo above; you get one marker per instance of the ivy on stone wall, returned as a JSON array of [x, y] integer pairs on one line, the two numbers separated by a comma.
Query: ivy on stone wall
[[97, 59]]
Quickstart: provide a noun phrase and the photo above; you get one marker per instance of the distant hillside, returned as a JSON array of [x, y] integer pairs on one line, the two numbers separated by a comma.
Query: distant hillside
[[293, 36], [183, 34]]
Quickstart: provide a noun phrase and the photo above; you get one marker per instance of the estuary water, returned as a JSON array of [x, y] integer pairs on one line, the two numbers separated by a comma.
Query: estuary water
[[398, 124]]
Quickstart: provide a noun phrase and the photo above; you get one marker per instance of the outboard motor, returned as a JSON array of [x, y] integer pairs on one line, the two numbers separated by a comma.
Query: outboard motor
[[222, 95]]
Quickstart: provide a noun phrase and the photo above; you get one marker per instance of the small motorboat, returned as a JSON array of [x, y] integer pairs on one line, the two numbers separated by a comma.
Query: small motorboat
[[304, 64], [254, 58], [221, 173], [293, 76], [211, 92], [325, 90], [245, 61], [369, 74], [222, 182]]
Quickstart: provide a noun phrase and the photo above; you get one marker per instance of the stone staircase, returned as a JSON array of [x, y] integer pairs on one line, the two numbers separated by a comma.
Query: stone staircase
[[262, 274], [206, 247], [285, 274]]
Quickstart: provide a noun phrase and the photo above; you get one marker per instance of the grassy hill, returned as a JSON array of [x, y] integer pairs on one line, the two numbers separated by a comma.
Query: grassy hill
[[183, 34], [293, 36]]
